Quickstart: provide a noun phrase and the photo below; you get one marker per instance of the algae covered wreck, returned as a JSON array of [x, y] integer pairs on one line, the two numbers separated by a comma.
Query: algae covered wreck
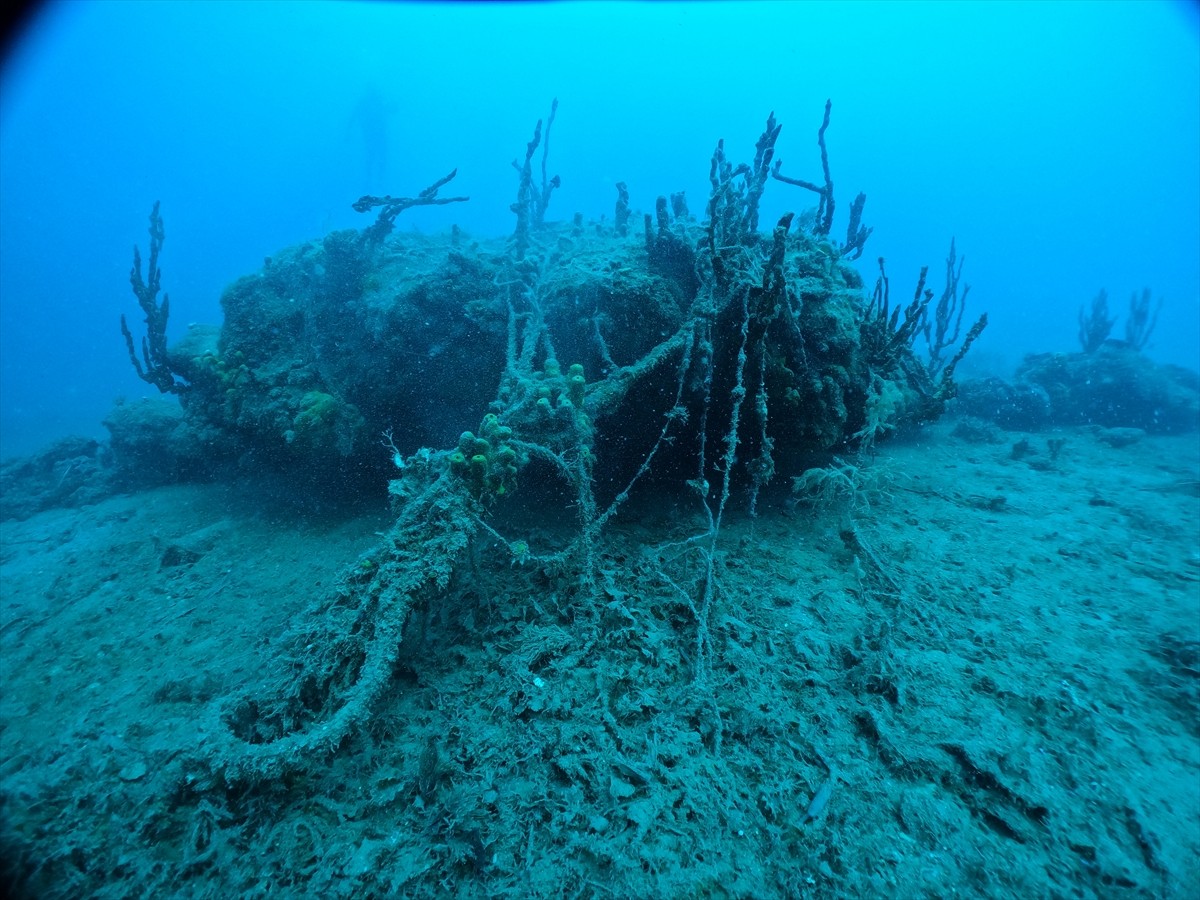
[[562, 647], [696, 359]]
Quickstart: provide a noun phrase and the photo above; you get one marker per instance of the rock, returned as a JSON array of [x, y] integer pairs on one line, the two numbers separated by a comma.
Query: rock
[[1115, 387], [1120, 437], [1014, 407]]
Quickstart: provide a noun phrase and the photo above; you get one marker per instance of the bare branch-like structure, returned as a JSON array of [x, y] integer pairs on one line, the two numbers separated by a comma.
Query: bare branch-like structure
[[885, 331], [888, 334], [542, 201], [1139, 324], [756, 177], [733, 203], [1095, 323], [154, 367], [393, 206], [943, 332], [856, 232], [622, 211], [946, 388], [825, 206], [532, 201]]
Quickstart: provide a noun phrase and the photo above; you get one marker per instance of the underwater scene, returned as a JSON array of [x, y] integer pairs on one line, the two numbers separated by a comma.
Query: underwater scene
[[600, 450]]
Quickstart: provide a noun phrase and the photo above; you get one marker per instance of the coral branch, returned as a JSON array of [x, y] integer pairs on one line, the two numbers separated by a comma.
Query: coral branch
[[1139, 325], [153, 368], [393, 206], [622, 211], [756, 178], [856, 233], [548, 185], [942, 333], [1095, 324], [825, 206], [531, 204]]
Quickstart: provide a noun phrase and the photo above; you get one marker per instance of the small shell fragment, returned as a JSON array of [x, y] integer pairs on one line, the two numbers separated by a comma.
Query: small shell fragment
[[134, 771]]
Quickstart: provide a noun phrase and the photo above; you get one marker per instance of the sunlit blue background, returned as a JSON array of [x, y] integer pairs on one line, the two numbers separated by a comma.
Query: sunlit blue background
[[1059, 142]]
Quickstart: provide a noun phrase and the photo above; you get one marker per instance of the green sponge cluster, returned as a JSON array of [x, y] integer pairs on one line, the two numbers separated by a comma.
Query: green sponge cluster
[[555, 390], [229, 377], [486, 462]]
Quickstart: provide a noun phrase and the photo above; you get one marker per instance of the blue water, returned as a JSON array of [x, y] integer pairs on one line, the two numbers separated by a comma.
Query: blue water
[[1058, 143]]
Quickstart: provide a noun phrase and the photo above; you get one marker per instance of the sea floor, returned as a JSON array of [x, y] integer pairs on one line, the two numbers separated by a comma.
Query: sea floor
[[968, 666]]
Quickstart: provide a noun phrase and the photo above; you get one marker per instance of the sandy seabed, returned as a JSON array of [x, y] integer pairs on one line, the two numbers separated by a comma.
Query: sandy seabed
[[959, 668]]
